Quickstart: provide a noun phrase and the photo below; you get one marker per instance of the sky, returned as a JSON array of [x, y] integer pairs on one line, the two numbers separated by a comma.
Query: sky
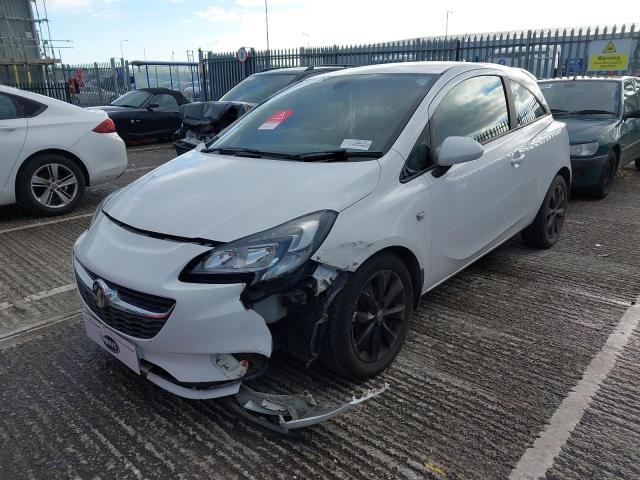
[[166, 29]]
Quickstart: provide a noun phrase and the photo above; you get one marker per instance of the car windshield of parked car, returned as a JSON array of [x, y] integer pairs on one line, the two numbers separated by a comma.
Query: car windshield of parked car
[[134, 98], [358, 113], [256, 88], [582, 97]]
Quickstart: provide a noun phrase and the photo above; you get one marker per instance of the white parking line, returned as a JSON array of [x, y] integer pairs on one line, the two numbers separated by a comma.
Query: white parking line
[[66, 219], [48, 222], [38, 296], [536, 460]]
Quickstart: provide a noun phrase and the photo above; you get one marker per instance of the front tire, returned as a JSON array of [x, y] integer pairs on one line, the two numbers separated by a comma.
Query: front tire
[[369, 319], [49, 185], [545, 230], [601, 190]]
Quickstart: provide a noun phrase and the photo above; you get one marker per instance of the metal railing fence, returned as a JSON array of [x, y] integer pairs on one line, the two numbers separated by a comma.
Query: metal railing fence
[[545, 53]]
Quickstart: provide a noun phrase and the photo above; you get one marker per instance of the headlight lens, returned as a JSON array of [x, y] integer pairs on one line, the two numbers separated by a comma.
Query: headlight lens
[[269, 254], [583, 149]]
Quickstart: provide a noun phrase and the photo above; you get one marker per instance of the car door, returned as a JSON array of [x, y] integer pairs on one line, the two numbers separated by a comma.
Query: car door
[[474, 205], [535, 158], [13, 133], [165, 118], [630, 128]]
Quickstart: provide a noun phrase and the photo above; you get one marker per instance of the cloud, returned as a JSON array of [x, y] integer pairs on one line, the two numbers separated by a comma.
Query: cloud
[[68, 5], [218, 14]]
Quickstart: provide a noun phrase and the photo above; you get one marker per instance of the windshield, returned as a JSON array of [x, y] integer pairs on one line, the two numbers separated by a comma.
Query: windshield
[[256, 88], [363, 113], [586, 97], [134, 98]]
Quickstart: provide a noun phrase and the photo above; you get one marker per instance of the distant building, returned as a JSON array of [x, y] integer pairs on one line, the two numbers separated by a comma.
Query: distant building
[[21, 54]]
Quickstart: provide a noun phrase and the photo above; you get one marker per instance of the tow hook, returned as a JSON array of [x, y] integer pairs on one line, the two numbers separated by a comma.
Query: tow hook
[[286, 414]]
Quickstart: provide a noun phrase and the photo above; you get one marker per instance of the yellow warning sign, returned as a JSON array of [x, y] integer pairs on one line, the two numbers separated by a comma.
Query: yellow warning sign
[[609, 55]]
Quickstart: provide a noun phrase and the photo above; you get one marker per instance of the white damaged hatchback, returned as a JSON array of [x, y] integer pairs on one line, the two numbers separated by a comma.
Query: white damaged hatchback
[[315, 224]]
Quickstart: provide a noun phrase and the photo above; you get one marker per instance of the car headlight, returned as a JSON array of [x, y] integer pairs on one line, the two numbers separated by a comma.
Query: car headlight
[[583, 149], [266, 255]]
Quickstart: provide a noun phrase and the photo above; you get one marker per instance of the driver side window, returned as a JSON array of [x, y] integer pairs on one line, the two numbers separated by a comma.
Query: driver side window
[[475, 108], [166, 103]]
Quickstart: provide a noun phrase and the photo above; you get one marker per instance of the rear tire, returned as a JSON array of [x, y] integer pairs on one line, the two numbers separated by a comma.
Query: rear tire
[[49, 185], [369, 319], [601, 190], [545, 230]]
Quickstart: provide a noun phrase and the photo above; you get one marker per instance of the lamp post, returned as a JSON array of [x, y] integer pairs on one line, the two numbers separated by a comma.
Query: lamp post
[[121, 52], [266, 21], [308, 36], [446, 28]]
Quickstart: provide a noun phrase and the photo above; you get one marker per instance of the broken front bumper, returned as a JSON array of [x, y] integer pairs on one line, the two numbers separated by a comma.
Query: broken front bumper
[[206, 321]]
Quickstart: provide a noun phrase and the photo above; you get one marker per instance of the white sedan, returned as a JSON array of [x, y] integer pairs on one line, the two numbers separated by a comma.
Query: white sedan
[[52, 150], [316, 222]]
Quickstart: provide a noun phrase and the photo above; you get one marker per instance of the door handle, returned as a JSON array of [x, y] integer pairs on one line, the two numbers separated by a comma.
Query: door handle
[[517, 158], [8, 128]]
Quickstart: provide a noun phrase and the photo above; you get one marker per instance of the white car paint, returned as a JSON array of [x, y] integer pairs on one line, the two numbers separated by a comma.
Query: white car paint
[[446, 223], [60, 127]]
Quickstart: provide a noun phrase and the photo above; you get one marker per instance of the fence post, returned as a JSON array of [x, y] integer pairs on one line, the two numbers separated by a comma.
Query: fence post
[[126, 84], [98, 83], [114, 75]]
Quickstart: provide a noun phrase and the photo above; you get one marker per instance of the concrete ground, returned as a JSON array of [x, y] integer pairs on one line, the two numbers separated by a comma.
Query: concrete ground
[[500, 355]]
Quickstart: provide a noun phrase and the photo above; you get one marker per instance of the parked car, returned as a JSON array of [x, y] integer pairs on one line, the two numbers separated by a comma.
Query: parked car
[[603, 120], [203, 121], [146, 113], [52, 150], [260, 86], [317, 221]]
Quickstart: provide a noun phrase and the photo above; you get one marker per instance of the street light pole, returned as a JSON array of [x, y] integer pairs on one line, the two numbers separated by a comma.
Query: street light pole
[[121, 51], [446, 28], [266, 20]]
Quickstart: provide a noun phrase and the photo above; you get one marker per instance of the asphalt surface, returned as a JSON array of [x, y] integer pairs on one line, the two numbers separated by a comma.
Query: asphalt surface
[[491, 355]]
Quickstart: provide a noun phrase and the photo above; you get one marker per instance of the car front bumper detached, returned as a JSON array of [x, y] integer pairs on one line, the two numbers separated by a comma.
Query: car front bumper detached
[[198, 341]]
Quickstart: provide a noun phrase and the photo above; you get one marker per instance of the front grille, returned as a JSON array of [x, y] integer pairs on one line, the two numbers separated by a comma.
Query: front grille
[[134, 325]]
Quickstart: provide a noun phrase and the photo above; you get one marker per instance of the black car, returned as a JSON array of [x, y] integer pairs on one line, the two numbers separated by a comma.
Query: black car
[[202, 121], [260, 86], [146, 113]]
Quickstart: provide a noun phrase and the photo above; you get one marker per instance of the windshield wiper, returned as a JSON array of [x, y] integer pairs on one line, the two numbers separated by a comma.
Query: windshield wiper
[[557, 111], [593, 111], [250, 152], [336, 155]]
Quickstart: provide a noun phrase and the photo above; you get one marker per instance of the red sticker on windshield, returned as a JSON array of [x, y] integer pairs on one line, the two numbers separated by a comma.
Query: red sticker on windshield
[[275, 119]]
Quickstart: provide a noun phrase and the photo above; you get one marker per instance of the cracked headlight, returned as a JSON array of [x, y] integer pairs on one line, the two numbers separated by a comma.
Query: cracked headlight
[[583, 149], [266, 255]]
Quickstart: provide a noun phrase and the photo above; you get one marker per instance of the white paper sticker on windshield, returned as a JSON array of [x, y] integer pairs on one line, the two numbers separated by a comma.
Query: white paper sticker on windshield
[[355, 144]]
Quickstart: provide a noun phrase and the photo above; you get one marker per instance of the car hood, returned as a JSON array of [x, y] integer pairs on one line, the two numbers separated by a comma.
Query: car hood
[[584, 130], [222, 198], [115, 109]]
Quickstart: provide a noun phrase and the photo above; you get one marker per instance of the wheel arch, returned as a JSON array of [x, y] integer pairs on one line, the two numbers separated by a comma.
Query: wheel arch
[[565, 173], [618, 151], [412, 264], [65, 153]]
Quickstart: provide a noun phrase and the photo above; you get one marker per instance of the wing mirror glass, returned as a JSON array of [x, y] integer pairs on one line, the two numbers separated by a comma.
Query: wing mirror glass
[[456, 150]]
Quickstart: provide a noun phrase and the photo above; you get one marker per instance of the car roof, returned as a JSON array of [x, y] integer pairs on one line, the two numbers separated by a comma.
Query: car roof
[[590, 79], [180, 98], [301, 70]]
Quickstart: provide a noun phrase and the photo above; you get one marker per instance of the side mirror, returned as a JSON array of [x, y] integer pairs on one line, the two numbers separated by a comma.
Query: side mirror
[[456, 150], [152, 106], [634, 114]]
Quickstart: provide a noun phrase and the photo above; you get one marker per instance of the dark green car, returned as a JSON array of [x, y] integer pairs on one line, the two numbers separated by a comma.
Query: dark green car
[[603, 120]]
